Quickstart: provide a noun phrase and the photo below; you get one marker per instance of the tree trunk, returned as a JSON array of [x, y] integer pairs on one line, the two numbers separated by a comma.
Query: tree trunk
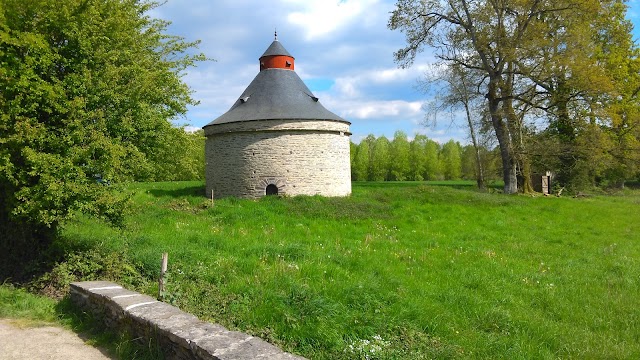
[[566, 135], [515, 129], [480, 168], [476, 148], [527, 186], [509, 163]]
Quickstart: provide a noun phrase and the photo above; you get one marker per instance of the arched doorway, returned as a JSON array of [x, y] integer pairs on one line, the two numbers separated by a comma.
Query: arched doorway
[[271, 189]]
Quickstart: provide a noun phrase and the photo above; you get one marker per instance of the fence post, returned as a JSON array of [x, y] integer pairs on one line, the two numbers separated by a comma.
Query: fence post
[[163, 270]]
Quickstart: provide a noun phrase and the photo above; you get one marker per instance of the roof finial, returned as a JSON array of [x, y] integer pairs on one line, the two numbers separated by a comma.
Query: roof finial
[[275, 34]]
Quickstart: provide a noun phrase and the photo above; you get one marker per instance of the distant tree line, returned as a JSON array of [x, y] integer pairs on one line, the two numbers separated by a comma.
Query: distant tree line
[[181, 160], [401, 159]]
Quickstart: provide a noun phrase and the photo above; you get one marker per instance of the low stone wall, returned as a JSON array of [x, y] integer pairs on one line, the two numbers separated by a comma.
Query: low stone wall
[[178, 334]]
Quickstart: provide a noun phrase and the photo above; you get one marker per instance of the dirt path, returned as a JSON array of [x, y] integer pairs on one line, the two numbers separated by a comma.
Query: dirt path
[[40, 343]]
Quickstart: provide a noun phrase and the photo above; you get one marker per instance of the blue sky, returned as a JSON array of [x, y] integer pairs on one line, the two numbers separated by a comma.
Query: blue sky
[[343, 52]]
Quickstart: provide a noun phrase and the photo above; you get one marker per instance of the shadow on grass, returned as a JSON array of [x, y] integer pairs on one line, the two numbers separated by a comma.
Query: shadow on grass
[[633, 184], [454, 184], [179, 193], [200, 191], [22, 263]]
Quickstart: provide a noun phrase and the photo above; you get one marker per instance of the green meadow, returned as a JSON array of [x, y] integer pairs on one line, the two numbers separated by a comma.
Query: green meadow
[[396, 271]]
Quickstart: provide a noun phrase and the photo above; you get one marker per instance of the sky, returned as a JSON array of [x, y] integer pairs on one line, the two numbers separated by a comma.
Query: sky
[[343, 52]]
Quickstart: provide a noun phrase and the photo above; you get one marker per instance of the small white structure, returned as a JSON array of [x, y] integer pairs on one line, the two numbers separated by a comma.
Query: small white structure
[[277, 139]]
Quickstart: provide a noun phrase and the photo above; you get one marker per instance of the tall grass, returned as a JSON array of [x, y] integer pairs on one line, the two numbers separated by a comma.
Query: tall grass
[[402, 270], [30, 309]]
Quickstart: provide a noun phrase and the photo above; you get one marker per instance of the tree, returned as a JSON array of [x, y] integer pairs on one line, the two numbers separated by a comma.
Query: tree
[[380, 160], [399, 154], [468, 162], [575, 60], [370, 140], [451, 160], [360, 164], [183, 160], [484, 36], [620, 57], [570, 83], [87, 91], [432, 169], [461, 91], [417, 157], [353, 149]]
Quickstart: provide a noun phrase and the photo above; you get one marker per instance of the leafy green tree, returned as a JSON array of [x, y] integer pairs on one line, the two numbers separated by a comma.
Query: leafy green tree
[[87, 92], [468, 162], [353, 149], [370, 140], [451, 160], [380, 160], [417, 157], [360, 164], [568, 69], [183, 160], [399, 155], [620, 56], [432, 168]]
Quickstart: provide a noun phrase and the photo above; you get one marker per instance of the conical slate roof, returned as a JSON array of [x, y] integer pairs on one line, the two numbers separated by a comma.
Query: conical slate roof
[[276, 49], [276, 94]]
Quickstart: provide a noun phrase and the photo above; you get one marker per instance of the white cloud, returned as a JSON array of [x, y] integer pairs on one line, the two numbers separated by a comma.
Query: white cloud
[[347, 87], [191, 129], [320, 18], [360, 85], [354, 109]]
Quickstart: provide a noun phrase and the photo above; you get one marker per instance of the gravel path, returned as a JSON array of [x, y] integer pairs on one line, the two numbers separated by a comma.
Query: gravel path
[[43, 343]]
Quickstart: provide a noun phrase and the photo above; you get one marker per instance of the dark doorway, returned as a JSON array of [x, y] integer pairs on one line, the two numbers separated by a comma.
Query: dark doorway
[[272, 189]]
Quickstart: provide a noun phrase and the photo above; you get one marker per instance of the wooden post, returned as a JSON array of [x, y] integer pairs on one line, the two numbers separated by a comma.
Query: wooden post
[[163, 270], [211, 197]]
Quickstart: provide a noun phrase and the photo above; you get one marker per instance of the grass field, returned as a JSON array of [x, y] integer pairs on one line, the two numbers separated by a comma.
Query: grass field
[[396, 271]]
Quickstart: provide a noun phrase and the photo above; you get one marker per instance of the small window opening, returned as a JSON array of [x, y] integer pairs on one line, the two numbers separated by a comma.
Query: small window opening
[[271, 190]]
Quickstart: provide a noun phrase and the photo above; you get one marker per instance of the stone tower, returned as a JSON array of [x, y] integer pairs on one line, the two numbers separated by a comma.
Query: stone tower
[[277, 139]]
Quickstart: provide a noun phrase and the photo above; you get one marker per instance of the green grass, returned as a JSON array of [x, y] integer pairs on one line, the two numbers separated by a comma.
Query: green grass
[[28, 308], [400, 270]]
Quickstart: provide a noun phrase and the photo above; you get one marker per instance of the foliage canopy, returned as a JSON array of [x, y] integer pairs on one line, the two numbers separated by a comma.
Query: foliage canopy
[[88, 91]]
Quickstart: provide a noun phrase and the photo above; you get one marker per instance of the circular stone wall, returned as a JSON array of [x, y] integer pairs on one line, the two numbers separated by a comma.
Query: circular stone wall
[[299, 157]]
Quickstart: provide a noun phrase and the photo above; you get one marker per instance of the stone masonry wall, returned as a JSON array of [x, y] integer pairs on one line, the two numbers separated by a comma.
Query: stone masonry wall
[[299, 157], [271, 125], [178, 334]]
